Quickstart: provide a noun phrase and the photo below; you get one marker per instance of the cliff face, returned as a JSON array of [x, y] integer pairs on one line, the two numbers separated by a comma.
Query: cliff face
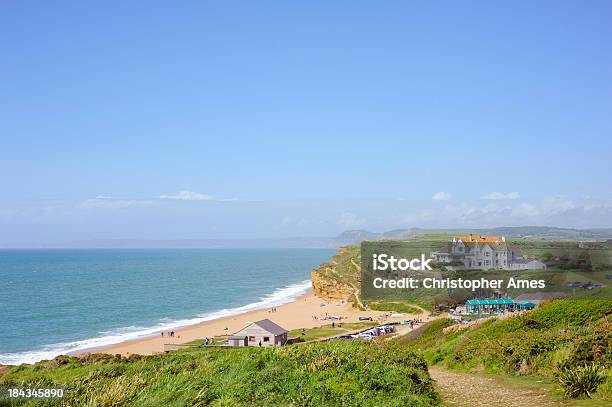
[[329, 288], [340, 278]]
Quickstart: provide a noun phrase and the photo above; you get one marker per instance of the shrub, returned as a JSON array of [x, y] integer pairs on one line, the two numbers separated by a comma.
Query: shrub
[[581, 381], [561, 334]]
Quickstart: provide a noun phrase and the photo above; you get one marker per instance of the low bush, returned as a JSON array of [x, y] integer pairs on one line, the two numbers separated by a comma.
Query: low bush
[[581, 380]]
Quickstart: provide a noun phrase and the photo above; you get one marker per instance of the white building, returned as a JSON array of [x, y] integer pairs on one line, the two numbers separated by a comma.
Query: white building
[[260, 333], [483, 253]]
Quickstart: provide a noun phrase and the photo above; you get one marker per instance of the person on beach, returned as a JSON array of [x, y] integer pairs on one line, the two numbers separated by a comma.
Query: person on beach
[[162, 334], [260, 344]]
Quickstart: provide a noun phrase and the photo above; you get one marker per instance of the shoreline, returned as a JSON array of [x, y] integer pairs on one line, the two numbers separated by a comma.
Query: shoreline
[[295, 314], [278, 297]]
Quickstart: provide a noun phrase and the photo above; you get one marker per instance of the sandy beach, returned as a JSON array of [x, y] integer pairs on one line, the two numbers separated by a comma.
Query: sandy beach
[[293, 315]]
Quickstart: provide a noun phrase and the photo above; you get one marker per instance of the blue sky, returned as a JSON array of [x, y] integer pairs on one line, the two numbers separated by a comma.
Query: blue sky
[[270, 119]]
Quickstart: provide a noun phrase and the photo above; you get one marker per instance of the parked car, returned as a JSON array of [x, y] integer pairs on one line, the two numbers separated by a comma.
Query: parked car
[[345, 337], [365, 335]]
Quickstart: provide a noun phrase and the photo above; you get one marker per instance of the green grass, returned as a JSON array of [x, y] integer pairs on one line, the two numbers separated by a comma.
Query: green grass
[[377, 373], [560, 335], [211, 341], [327, 331], [394, 306]]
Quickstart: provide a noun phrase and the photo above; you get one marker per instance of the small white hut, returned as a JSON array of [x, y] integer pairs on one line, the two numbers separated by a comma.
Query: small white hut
[[260, 333]]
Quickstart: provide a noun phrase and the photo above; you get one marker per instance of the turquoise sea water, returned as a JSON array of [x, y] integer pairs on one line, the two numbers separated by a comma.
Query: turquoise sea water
[[58, 301]]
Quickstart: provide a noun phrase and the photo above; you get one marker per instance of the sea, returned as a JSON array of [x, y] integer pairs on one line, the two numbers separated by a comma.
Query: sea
[[56, 302]]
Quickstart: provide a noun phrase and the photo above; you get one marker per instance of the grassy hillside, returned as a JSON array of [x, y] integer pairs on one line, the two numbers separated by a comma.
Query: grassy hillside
[[562, 335], [377, 373], [521, 232], [566, 263]]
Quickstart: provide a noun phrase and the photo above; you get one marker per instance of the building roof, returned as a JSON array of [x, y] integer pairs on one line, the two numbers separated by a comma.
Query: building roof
[[479, 239], [503, 301], [271, 327], [497, 247], [237, 337]]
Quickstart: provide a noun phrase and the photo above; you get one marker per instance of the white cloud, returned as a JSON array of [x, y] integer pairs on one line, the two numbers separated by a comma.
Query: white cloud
[[350, 220], [557, 204], [526, 210], [297, 222], [195, 196], [108, 202], [550, 211], [598, 206], [441, 196], [501, 195], [188, 196]]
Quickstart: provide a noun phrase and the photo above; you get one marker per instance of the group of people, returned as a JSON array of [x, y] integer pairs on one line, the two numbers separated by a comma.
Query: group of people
[[412, 322], [169, 333], [272, 310], [326, 317]]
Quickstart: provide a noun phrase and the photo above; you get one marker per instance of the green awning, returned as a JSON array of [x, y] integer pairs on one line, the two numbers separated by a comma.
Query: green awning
[[503, 301]]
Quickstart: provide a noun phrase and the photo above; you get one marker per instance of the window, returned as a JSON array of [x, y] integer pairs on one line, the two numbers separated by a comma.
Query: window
[[251, 339], [486, 262], [266, 339], [488, 254]]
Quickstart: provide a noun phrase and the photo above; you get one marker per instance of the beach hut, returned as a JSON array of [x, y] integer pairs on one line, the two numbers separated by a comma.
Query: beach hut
[[489, 306], [260, 333]]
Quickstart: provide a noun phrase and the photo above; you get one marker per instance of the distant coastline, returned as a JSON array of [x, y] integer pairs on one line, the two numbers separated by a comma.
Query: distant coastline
[[349, 237]]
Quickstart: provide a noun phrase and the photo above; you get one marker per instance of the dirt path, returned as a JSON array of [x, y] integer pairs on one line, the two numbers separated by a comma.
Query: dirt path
[[463, 389], [4, 370]]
